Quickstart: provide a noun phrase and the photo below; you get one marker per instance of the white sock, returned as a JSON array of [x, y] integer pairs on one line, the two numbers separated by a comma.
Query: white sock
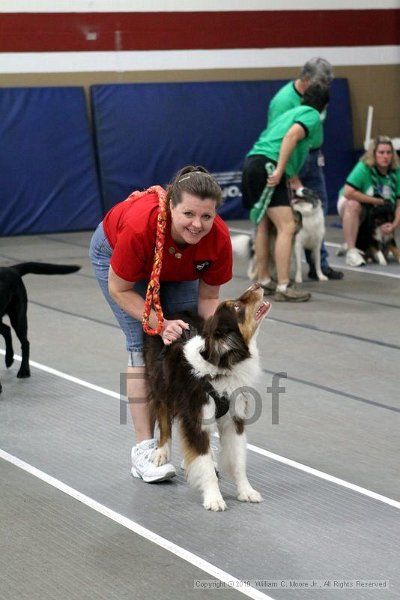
[[281, 287], [265, 281]]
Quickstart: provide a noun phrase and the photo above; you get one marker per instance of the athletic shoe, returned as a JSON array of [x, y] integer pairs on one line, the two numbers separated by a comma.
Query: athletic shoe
[[327, 271], [269, 288], [143, 466], [291, 294], [354, 258]]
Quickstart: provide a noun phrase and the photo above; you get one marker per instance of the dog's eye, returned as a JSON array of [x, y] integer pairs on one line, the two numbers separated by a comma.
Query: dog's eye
[[236, 307]]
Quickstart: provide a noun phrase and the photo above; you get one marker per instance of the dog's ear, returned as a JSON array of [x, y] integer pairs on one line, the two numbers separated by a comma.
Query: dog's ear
[[224, 345]]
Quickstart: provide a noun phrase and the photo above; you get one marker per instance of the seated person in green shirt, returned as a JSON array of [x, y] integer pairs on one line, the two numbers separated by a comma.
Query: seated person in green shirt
[[374, 180], [285, 143]]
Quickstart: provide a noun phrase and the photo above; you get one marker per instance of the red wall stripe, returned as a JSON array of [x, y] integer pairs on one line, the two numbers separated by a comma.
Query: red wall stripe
[[63, 32]]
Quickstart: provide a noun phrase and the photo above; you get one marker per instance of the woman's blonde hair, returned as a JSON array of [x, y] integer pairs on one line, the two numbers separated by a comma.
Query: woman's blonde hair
[[369, 156]]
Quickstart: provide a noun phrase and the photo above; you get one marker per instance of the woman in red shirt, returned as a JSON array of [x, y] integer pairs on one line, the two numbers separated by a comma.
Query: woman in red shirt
[[197, 260]]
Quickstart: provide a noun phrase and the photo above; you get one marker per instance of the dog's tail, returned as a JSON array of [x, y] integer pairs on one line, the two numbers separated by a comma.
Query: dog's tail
[[243, 246], [37, 268]]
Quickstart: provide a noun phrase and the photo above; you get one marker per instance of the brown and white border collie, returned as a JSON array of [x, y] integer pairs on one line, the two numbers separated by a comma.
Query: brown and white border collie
[[202, 382]]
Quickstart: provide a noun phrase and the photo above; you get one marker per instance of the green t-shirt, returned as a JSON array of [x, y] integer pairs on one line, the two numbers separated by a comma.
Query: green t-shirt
[[371, 182], [286, 99], [270, 140]]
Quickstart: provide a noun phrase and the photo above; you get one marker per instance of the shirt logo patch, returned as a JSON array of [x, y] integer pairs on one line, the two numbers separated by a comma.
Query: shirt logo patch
[[202, 265]]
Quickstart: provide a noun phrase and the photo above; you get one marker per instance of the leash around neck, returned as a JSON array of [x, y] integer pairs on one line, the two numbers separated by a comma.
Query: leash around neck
[[153, 288]]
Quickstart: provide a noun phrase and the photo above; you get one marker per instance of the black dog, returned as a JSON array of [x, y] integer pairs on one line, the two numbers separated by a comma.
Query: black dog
[[14, 303], [370, 238]]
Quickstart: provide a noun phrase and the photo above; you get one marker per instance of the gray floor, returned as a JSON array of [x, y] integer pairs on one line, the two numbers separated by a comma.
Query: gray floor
[[339, 415]]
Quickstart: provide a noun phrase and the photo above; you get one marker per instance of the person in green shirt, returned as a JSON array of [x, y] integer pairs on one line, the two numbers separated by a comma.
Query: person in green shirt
[[285, 143], [315, 70], [374, 180]]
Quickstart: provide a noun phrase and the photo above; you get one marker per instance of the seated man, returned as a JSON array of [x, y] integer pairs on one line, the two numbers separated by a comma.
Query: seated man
[[374, 180]]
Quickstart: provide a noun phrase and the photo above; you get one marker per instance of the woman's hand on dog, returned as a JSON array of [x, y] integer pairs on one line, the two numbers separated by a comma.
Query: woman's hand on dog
[[387, 228], [172, 330]]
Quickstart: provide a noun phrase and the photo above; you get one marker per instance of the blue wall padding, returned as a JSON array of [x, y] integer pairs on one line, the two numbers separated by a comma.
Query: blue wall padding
[[146, 132], [48, 179]]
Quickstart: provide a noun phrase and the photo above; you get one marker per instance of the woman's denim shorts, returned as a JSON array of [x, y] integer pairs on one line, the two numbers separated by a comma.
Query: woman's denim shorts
[[176, 296]]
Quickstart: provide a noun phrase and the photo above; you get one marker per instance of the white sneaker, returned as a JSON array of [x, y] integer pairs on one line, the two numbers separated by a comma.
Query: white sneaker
[[143, 466], [354, 258]]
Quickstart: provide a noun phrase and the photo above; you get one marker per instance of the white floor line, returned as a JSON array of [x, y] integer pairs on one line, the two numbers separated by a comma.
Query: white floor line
[[325, 476], [180, 552], [362, 270], [256, 449]]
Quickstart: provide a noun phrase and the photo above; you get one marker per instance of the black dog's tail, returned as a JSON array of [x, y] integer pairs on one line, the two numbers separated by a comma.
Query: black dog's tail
[[37, 268]]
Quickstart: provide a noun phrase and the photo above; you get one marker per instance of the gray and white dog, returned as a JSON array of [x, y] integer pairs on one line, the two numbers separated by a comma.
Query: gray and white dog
[[310, 232]]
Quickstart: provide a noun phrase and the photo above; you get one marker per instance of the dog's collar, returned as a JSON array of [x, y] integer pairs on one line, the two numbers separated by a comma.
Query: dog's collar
[[187, 335], [221, 402]]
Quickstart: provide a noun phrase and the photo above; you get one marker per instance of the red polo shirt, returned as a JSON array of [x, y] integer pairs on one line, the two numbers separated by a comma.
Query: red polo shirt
[[130, 227]]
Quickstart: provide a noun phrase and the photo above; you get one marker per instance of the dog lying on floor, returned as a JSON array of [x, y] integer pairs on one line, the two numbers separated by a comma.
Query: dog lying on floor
[[310, 232], [376, 245], [199, 382], [14, 303]]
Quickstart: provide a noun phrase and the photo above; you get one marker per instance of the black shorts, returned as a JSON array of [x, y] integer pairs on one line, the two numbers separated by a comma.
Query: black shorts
[[254, 179]]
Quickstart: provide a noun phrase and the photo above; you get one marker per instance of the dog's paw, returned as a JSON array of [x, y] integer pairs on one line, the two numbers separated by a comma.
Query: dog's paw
[[161, 455], [299, 278], [250, 495], [322, 277], [381, 259], [214, 502], [24, 372]]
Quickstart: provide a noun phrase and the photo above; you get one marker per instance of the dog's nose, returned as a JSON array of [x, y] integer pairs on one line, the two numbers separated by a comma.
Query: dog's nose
[[255, 286]]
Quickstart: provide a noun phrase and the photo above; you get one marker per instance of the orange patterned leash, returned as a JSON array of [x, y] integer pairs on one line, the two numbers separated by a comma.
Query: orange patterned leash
[[153, 289]]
